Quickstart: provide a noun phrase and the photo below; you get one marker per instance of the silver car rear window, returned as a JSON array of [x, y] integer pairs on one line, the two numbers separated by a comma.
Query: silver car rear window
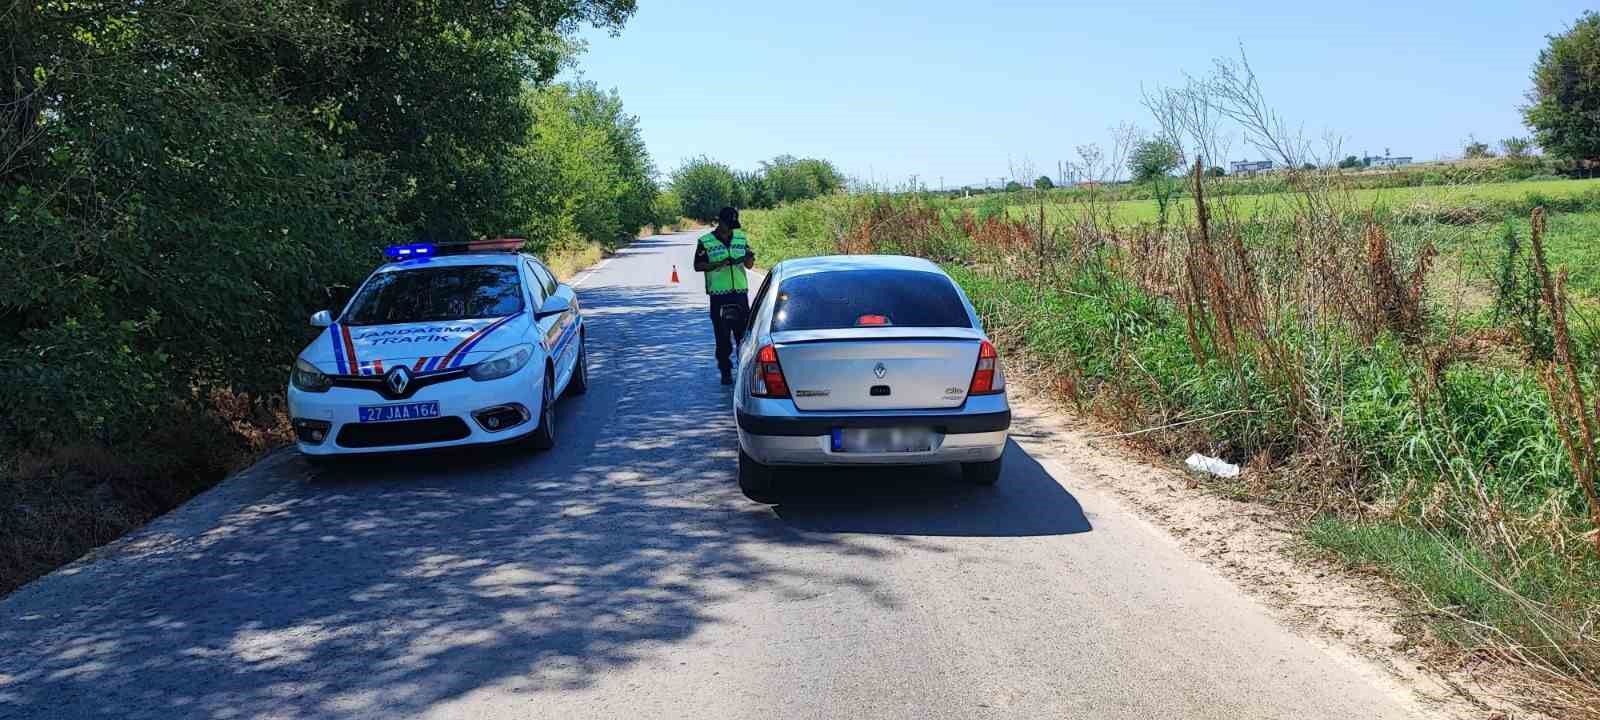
[[838, 299]]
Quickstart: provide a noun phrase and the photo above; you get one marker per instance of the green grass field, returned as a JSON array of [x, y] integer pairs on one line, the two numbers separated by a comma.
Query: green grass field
[[1572, 241], [1503, 194]]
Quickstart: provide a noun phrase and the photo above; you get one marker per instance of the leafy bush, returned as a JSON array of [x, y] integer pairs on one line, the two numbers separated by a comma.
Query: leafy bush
[[704, 186], [668, 209], [794, 179]]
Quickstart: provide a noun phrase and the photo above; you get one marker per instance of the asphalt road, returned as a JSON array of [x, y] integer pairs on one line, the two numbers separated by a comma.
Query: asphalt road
[[623, 575]]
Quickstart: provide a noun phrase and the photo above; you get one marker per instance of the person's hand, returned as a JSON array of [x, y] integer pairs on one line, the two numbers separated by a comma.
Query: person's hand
[[749, 261]]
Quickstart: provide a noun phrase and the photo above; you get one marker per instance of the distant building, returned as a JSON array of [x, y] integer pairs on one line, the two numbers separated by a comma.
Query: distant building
[[1386, 161], [1249, 167]]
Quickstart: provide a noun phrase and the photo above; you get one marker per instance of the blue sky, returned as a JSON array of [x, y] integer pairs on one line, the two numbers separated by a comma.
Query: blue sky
[[960, 90]]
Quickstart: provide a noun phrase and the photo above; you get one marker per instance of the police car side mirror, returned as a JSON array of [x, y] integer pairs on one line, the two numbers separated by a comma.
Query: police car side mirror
[[556, 305], [321, 319]]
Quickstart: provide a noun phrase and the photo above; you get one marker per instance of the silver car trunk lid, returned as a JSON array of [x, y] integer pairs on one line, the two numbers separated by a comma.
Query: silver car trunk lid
[[878, 368]]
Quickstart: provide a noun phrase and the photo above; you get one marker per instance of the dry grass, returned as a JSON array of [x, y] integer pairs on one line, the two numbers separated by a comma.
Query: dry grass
[[1576, 420], [567, 262], [64, 501]]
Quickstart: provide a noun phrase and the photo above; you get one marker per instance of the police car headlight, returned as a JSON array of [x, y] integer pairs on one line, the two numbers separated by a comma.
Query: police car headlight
[[307, 377], [502, 363]]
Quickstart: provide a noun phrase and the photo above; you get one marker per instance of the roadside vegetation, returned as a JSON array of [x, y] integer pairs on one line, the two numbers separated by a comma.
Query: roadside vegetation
[[702, 186], [1410, 371], [183, 182]]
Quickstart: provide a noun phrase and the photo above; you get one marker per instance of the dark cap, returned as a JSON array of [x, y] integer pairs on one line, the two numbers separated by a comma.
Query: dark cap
[[728, 218]]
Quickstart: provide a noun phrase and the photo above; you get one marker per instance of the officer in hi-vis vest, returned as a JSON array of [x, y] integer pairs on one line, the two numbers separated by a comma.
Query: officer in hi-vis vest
[[723, 255]]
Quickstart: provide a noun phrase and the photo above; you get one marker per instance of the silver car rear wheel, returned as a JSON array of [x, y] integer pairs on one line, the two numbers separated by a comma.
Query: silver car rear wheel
[[756, 481]]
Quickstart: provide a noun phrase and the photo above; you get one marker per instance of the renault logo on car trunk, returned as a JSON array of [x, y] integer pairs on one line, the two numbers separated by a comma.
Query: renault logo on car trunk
[[880, 371], [398, 379]]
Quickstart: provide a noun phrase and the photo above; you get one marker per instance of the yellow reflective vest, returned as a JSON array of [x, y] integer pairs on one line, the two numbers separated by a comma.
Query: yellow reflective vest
[[726, 278]]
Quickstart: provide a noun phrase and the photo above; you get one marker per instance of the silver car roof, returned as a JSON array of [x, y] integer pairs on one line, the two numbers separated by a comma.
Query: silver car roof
[[830, 263]]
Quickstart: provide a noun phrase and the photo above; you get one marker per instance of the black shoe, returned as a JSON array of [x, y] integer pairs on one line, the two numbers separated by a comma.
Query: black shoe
[[727, 377]]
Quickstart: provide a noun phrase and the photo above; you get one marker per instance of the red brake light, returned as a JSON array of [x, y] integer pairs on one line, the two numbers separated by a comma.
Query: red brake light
[[768, 376], [866, 320], [986, 377]]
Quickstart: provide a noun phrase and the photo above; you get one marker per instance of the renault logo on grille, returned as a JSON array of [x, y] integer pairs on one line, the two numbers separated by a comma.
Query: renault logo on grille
[[880, 371], [398, 379]]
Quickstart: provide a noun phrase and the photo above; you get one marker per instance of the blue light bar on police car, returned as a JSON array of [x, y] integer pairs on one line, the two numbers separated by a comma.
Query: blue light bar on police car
[[407, 252]]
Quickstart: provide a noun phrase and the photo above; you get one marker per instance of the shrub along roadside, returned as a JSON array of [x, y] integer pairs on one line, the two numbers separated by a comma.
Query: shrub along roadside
[[1425, 448]]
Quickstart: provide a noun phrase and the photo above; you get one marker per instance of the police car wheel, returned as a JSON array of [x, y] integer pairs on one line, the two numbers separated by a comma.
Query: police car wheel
[[544, 437], [579, 384], [758, 482]]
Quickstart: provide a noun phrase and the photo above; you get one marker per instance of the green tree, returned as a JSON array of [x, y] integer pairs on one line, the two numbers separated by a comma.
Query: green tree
[[752, 190], [583, 174], [825, 176], [791, 179], [1014, 186], [1474, 149], [1563, 107], [1516, 148], [1216, 172], [1349, 162], [213, 167], [704, 186], [1152, 159], [1152, 162], [1044, 183], [668, 208]]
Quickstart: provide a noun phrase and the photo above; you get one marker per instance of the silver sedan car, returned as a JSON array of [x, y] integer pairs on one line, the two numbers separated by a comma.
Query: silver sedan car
[[866, 360]]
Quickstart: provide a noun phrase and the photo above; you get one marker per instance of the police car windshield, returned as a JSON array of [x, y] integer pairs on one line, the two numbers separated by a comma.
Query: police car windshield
[[429, 294]]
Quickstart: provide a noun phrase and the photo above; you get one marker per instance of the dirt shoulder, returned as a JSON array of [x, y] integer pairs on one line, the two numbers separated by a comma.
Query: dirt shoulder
[[1260, 551]]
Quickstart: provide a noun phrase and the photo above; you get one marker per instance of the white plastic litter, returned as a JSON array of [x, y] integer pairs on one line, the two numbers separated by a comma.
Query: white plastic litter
[[1213, 466]]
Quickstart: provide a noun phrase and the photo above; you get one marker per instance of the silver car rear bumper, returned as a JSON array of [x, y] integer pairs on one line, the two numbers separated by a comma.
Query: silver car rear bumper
[[818, 450], [772, 432]]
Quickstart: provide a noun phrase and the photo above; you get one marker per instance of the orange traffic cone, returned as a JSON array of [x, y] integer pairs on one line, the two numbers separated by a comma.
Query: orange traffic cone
[[674, 273]]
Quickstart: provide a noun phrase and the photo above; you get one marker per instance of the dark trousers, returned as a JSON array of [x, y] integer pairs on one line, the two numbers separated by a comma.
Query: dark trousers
[[738, 304]]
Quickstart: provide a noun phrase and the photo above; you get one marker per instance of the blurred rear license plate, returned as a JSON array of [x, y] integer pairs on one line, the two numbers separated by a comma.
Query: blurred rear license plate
[[882, 440], [399, 413]]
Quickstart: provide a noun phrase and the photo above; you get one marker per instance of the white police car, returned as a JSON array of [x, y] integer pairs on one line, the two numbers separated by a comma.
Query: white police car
[[445, 346]]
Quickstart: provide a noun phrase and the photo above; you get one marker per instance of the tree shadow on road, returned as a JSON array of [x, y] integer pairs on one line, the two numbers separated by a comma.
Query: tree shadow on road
[[393, 587]]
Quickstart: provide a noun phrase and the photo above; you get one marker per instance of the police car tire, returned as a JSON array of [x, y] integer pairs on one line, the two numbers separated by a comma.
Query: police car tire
[[758, 482], [579, 384], [544, 437]]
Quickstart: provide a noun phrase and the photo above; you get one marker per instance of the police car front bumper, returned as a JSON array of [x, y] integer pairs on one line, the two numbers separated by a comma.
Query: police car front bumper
[[466, 407]]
